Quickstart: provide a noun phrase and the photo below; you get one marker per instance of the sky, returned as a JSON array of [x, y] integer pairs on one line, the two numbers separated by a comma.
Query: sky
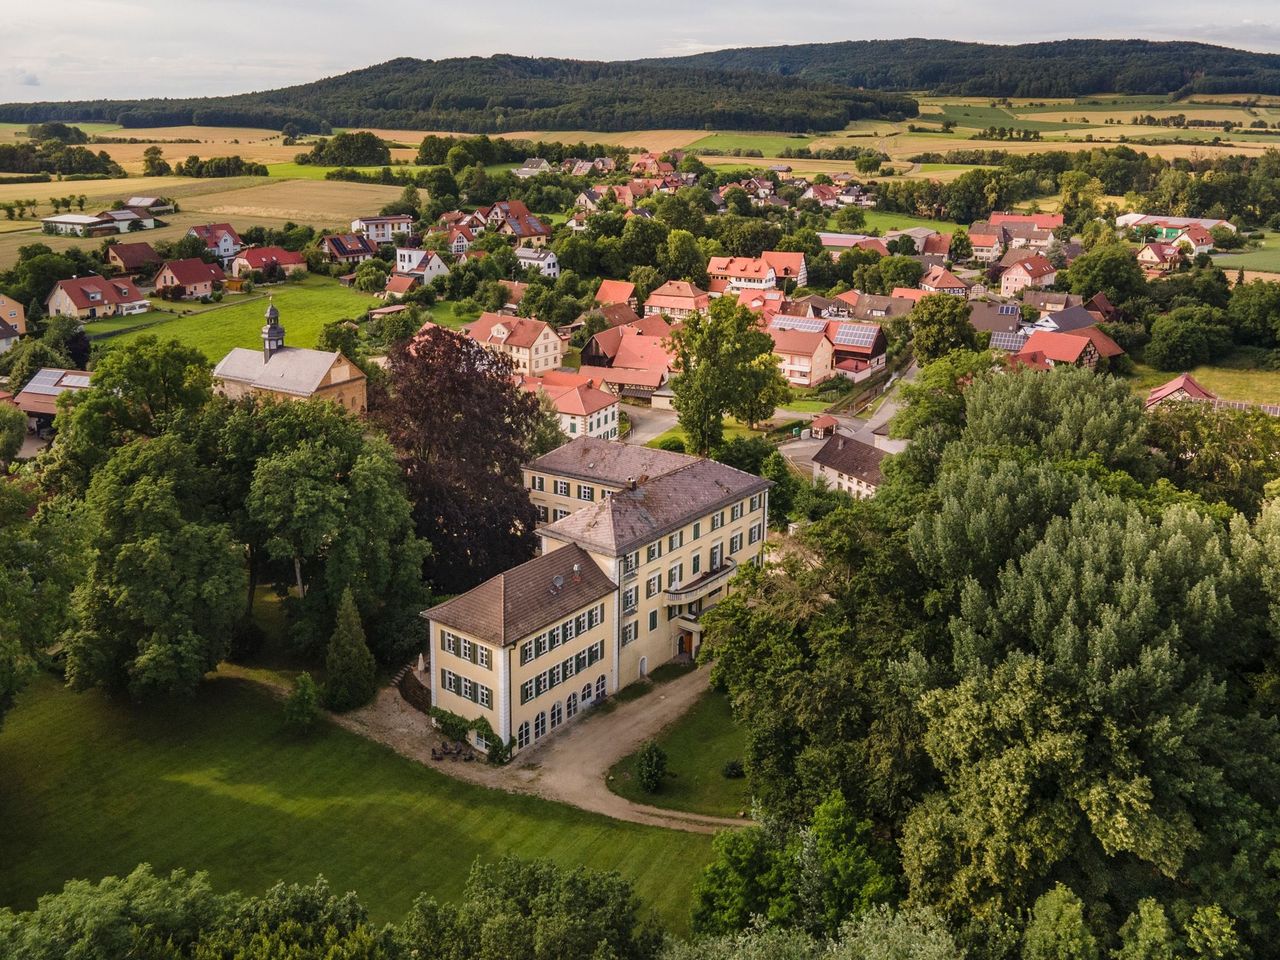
[[91, 49]]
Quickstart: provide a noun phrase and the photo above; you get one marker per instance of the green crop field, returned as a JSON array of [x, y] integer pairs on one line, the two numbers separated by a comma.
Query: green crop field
[[305, 307], [1265, 257], [769, 144], [698, 745], [980, 117], [306, 171], [94, 786]]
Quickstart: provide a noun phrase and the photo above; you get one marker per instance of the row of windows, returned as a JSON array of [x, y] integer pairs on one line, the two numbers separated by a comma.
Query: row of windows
[[559, 713], [561, 672], [477, 653], [467, 688], [574, 626]]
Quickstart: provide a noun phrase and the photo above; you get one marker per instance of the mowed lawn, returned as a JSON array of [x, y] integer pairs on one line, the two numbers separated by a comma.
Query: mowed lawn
[[90, 787], [769, 144], [698, 745], [884, 220], [1232, 378], [305, 307], [1265, 257]]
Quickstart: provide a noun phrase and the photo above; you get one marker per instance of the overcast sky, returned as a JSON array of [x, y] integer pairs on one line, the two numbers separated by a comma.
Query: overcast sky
[[85, 49]]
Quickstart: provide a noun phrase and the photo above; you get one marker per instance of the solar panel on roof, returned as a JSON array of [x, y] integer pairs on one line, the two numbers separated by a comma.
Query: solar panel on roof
[[76, 381], [856, 334], [807, 324], [1009, 342], [1009, 310]]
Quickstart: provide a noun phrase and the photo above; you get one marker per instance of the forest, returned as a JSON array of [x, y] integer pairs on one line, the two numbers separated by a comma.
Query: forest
[[1064, 68], [502, 93]]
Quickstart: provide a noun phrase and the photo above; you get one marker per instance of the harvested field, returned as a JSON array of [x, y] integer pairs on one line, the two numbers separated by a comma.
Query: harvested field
[[319, 202]]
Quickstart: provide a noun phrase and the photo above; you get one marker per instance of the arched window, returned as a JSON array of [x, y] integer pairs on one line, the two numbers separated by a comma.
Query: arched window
[[540, 725], [600, 687], [571, 706], [644, 666], [522, 735], [557, 714], [586, 693]]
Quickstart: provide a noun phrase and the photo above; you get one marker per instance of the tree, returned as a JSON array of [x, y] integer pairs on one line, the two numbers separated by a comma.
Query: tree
[[1111, 269], [154, 164], [885, 934], [1147, 934], [1187, 337], [717, 357], [533, 909], [896, 271], [1057, 930], [165, 579], [762, 390], [371, 276], [28, 358], [302, 708], [13, 431], [465, 484], [1254, 313], [545, 433], [351, 676], [651, 767], [681, 258], [961, 246], [939, 323], [851, 218]]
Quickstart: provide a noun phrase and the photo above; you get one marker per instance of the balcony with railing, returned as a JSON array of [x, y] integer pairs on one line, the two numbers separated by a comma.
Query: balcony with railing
[[703, 585]]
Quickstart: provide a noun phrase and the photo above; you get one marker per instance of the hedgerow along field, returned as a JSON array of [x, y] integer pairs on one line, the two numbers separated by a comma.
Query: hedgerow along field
[[95, 786]]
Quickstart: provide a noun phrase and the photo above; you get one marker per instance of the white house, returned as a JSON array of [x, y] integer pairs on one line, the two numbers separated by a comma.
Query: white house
[[426, 263], [540, 259], [78, 224], [383, 229]]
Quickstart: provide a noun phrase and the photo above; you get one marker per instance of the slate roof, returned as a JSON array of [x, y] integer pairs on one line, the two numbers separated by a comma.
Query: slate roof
[[853, 458], [509, 607], [608, 461], [631, 517]]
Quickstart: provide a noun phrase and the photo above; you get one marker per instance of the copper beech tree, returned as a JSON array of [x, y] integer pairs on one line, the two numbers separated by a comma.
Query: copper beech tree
[[460, 428]]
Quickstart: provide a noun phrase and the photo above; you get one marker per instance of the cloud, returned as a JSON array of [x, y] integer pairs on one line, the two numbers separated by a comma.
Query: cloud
[[24, 78]]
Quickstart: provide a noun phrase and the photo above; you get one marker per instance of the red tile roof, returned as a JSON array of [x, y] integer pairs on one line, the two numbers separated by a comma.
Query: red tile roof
[[797, 342], [192, 271], [398, 284], [1041, 221], [1105, 345], [1058, 347], [109, 292], [497, 328], [786, 266], [211, 232], [678, 295], [134, 256], [1036, 267], [259, 257], [1184, 382], [615, 291]]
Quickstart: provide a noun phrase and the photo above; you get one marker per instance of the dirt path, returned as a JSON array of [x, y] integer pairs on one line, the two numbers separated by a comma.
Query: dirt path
[[568, 768]]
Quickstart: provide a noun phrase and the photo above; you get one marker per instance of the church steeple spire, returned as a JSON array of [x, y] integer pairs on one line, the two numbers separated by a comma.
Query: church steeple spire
[[272, 333]]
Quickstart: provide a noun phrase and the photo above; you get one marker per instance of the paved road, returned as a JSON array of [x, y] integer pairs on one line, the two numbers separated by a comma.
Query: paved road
[[647, 423]]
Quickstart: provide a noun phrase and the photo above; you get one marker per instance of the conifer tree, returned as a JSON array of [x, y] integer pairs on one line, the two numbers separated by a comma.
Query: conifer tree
[[352, 674]]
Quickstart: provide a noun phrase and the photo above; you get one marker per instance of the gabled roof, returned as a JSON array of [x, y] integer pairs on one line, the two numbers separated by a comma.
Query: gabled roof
[[937, 245], [853, 458], [1041, 221], [746, 268], [349, 245], [1183, 382], [40, 395], [513, 605], [193, 271], [608, 461], [398, 284], [1105, 345], [95, 291], [497, 328], [1036, 267], [615, 291], [678, 294], [1058, 347], [259, 257], [797, 342], [785, 265], [940, 278], [1067, 319], [212, 233], [134, 256]]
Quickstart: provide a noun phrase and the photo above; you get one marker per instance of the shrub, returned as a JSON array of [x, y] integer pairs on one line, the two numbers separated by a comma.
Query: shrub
[[732, 770], [651, 767], [675, 444], [452, 726], [302, 709]]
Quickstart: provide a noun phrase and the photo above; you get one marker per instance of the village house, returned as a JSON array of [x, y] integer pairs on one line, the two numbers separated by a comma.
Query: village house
[[79, 225], [1195, 239], [290, 373], [219, 238], [126, 220], [1063, 321], [540, 259], [735, 274], [9, 336], [1034, 271], [1048, 301], [532, 167], [616, 291], [426, 264], [533, 346], [857, 349], [92, 298], [942, 280], [1185, 388], [132, 258], [787, 266], [677, 299], [39, 398], [1040, 221], [383, 229], [987, 243], [583, 409], [349, 248], [1167, 228], [838, 243], [1082, 348], [1158, 257], [1003, 321], [459, 240], [399, 285], [512, 218], [14, 314], [804, 357], [850, 466], [271, 262], [189, 279]]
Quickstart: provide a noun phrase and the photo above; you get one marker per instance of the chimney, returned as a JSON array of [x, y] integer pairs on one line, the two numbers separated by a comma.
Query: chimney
[[631, 483], [840, 445], [577, 573]]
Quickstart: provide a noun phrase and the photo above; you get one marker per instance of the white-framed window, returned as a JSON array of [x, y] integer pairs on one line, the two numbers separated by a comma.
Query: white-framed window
[[653, 551], [586, 693], [560, 514], [653, 586], [580, 624], [756, 502], [735, 512], [468, 650], [755, 534], [557, 714], [586, 492], [448, 642], [485, 695], [697, 529], [484, 657], [468, 688], [540, 725], [695, 564], [449, 680], [561, 488], [717, 520], [675, 575], [735, 543], [676, 540], [571, 706], [542, 514], [630, 599], [526, 691], [537, 482], [556, 675], [540, 684], [630, 632], [566, 631], [601, 686], [540, 645], [522, 735], [526, 652]]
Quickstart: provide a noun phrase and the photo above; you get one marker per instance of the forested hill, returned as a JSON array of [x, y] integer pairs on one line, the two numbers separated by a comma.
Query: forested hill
[[1066, 68], [504, 93]]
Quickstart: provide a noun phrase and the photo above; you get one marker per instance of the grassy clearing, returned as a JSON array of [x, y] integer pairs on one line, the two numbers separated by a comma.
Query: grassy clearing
[[769, 144], [1265, 257], [1231, 378], [305, 307], [698, 745], [732, 429], [307, 171], [448, 313], [884, 220], [93, 787]]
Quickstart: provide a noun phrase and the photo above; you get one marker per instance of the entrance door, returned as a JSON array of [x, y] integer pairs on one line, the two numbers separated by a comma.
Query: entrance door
[[644, 666]]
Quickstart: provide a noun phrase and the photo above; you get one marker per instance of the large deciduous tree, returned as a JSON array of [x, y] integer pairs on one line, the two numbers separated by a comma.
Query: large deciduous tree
[[459, 428], [939, 323]]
